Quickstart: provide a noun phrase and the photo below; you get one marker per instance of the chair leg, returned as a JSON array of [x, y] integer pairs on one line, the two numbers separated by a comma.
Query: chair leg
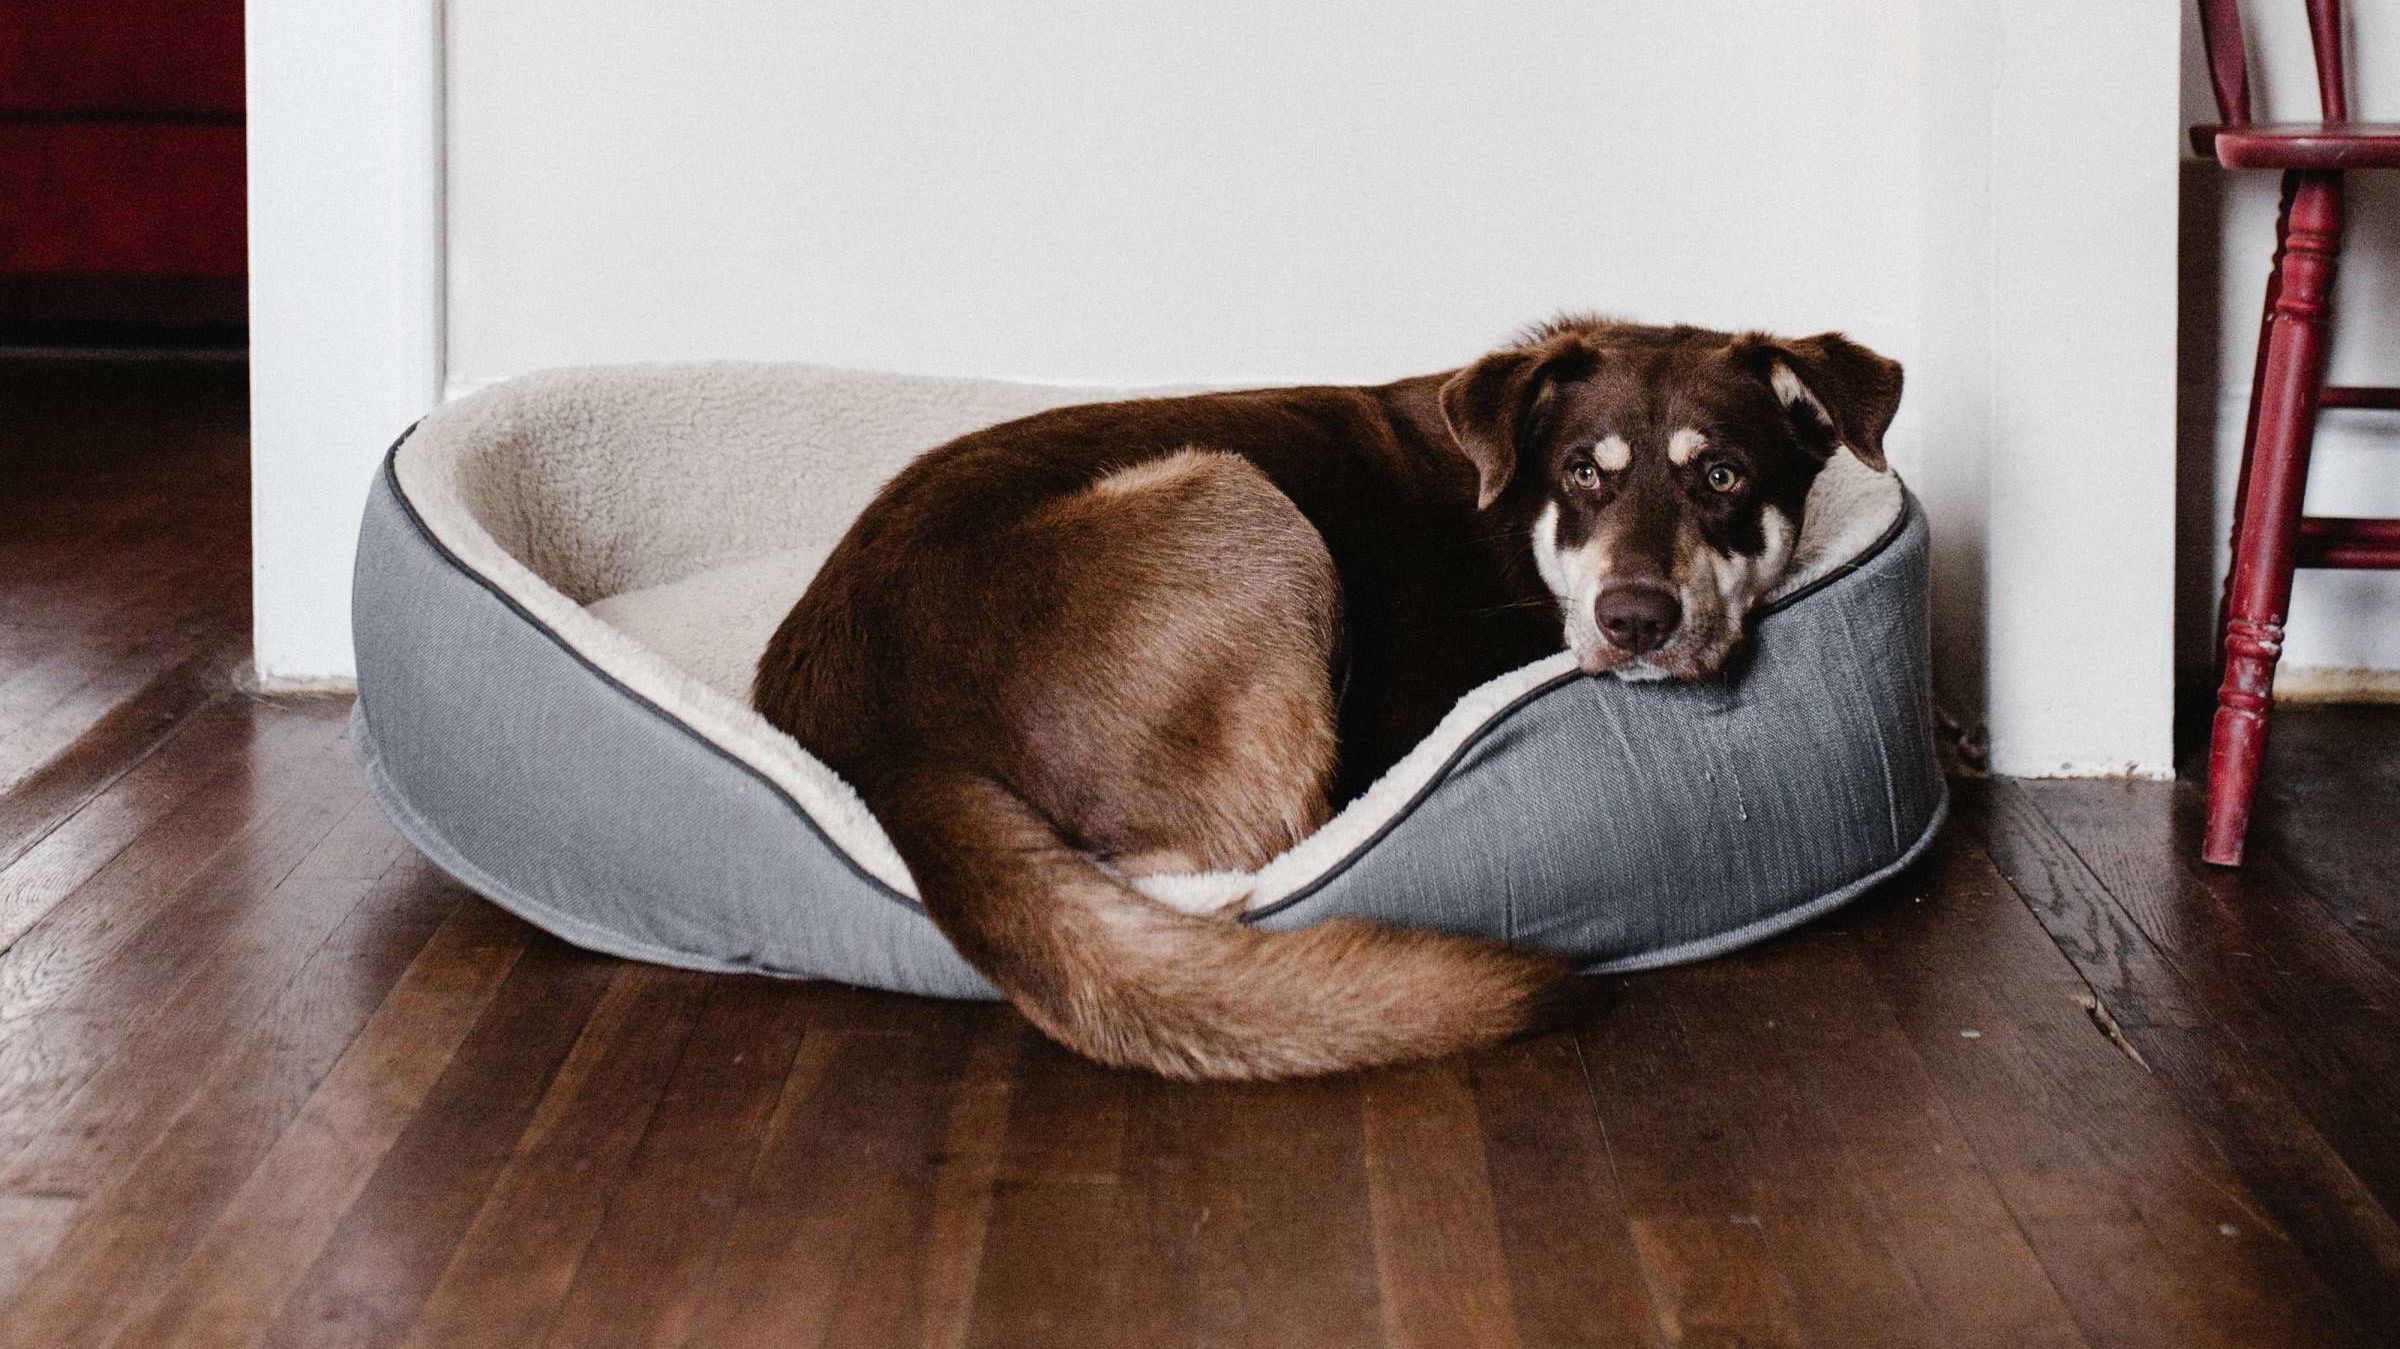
[[2258, 383], [2276, 478]]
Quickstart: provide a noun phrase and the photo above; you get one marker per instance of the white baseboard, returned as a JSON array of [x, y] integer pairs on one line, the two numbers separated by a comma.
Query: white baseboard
[[247, 679], [2076, 768], [2336, 684]]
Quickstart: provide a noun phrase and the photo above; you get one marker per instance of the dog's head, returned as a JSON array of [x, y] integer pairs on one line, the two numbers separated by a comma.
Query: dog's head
[[1659, 475]]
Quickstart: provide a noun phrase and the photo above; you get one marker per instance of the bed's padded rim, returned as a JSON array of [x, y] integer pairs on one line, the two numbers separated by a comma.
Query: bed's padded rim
[[1698, 816], [539, 782], [627, 832]]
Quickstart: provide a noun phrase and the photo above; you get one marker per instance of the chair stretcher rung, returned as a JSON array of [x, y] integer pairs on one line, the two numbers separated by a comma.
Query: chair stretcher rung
[[2347, 542], [2360, 396]]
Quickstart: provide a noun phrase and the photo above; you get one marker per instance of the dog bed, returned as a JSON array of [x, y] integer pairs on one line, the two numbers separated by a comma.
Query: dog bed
[[563, 582]]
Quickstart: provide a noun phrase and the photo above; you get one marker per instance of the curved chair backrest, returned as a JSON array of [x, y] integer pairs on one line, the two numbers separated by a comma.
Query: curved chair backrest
[[2229, 61]]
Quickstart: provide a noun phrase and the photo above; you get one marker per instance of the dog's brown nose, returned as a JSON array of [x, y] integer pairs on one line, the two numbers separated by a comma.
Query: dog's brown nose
[[1637, 618]]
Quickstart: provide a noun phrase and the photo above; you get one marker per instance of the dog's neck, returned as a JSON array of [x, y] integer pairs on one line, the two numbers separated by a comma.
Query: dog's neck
[[1423, 433], [1416, 403]]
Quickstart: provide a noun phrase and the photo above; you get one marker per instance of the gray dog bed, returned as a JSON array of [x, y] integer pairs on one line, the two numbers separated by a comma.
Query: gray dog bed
[[563, 583]]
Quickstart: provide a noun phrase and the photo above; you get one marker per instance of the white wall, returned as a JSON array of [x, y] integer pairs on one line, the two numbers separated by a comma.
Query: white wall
[[2039, 408], [1226, 189], [2344, 635], [1258, 190], [2081, 453], [345, 302]]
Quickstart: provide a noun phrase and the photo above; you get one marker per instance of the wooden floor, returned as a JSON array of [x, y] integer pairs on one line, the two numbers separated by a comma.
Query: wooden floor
[[267, 1077]]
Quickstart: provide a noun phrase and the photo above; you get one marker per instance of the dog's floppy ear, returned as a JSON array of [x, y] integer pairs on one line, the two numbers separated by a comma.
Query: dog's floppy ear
[[1494, 406], [1838, 392]]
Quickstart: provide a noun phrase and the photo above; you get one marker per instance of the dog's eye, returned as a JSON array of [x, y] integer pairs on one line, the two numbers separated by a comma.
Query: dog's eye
[[1585, 474], [1724, 477]]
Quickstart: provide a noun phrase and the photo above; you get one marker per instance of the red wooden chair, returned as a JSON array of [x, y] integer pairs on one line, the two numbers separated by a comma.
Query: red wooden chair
[[2270, 535]]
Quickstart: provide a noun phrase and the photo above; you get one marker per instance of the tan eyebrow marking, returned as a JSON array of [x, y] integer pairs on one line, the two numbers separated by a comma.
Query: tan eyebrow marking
[[1613, 454], [1684, 444]]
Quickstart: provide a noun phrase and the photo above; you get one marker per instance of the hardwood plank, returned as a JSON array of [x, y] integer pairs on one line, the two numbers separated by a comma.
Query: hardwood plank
[[273, 1229], [1573, 1274], [95, 602], [366, 1285], [30, 1227], [2125, 1204], [2305, 1189], [2215, 923], [2283, 1070], [134, 1235], [1437, 1245], [1288, 1165], [2106, 938], [151, 1071], [1825, 1231], [124, 482], [1176, 1272], [244, 1093], [1139, 1212], [114, 679], [2071, 1211], [1663, 1131], [645, 1274], [1058, 1227], [61, 855], [1839, 1043], [847, 1168], [43, 699], [113, 1072], [958, 1216], [90, 622], [121, 740], [1694, 1221], [103, 965], [2329, 793], [1714, 1282], [279, 791], [513, 1266], [1157, 1254]]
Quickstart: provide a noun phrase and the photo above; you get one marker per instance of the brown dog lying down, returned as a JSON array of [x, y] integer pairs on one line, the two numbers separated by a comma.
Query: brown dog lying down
[[1171, 634]]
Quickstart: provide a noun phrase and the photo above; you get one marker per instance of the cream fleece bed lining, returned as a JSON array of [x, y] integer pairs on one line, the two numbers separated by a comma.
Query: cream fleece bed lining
[[568, 498]]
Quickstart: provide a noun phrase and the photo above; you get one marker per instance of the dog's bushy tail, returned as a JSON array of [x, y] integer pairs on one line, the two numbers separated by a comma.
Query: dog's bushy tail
[[1120, 978]]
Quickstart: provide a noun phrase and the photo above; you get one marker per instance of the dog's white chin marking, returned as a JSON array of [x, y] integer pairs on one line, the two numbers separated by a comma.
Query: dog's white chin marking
[[1574, 581], [1546, 559]]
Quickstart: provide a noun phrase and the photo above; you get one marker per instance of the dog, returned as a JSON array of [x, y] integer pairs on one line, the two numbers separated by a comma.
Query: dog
[[1172, 634]]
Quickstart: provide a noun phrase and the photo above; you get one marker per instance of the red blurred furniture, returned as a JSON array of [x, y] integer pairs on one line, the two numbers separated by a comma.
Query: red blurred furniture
[[2270, 535], [121, 164]]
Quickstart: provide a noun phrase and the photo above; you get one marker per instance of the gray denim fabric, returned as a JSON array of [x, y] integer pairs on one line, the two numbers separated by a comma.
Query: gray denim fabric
[[1623, 826]]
